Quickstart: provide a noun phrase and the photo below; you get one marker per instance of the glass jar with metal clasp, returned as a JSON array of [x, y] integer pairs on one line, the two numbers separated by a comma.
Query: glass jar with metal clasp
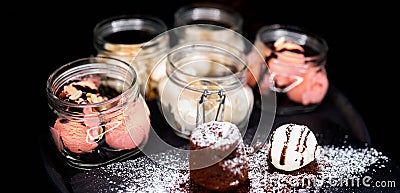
[[205, 81]]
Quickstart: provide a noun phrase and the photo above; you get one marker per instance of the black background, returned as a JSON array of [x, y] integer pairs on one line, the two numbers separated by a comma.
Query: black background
[[360, 61]]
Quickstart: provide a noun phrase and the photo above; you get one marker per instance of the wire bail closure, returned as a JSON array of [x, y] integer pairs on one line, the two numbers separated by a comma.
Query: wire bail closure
[[203, 99]]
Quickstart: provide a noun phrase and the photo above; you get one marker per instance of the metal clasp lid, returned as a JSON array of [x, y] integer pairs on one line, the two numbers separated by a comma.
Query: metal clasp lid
[[221, 106]]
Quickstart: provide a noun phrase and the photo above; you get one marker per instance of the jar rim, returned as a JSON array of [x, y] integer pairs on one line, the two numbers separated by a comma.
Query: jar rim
[[57, 76], [127, 22], [301, 36], [217, 10], [240, 75]]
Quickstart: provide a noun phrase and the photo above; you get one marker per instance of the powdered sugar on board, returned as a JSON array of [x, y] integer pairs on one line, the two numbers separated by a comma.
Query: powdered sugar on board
[[333, 166], [168, 172], [156, 173]]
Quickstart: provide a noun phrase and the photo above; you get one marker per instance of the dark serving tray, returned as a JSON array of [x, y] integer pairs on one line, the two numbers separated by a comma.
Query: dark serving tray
[[335, 122]]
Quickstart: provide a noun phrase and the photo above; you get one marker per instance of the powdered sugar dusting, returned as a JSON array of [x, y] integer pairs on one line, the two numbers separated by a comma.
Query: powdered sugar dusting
[[237, 164], [347, 161], [216, 134], [334, 163], [155, 173], [146, 175], [173, 159]]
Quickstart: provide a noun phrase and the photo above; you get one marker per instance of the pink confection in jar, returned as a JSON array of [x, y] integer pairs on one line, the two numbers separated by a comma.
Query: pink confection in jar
[[303, 81], [98, 114], [129, 129], [73, 136], [292, 63], [312, 90]]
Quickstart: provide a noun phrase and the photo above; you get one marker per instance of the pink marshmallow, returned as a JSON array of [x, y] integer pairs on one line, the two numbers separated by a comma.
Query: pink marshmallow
[[312, 90], [130, 129], [73, 136]]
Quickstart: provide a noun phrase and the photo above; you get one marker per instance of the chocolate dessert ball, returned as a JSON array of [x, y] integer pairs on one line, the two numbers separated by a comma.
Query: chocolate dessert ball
[[217, 159]]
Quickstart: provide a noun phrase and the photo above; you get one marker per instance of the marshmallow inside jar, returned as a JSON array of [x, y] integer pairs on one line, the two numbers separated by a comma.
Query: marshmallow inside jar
[[292, 146], [137, 39], [205, 83], [211, 22]]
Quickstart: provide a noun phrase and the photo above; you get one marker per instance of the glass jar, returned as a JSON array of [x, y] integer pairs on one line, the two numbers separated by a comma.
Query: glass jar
[[295, 70], [97, 112], [138, 40], [209, 21], [205, 81]]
